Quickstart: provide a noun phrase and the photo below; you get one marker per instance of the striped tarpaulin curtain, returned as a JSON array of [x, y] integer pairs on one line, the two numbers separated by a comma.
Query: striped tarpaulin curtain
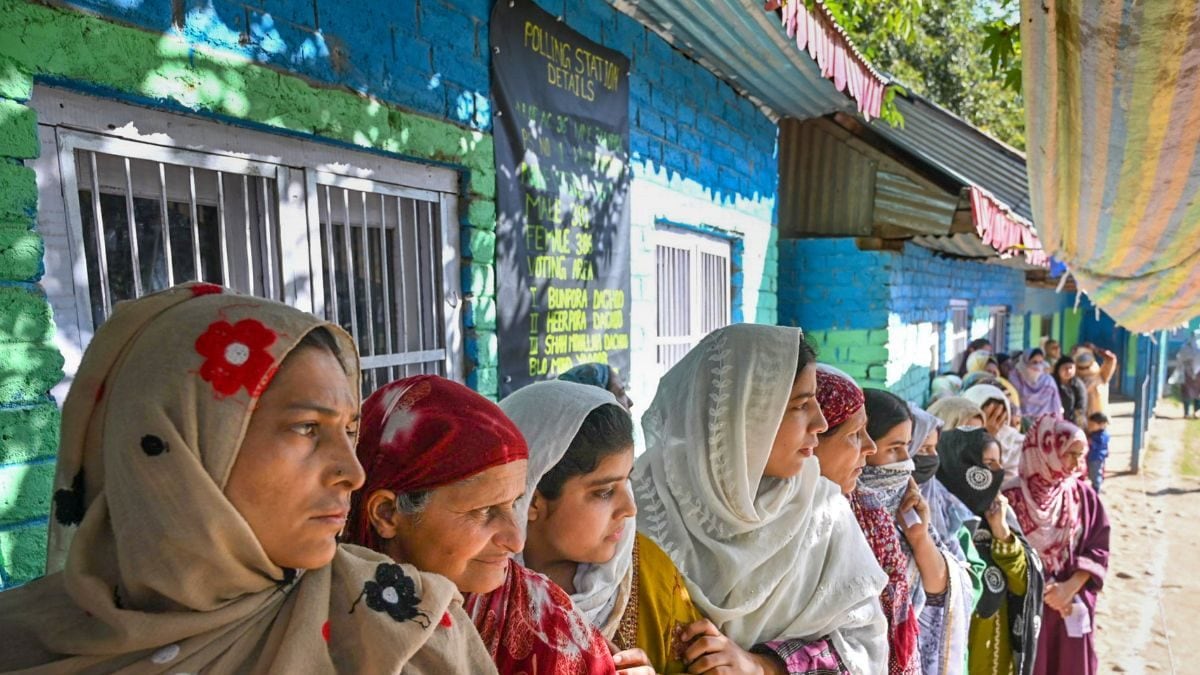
[[1112, 95]]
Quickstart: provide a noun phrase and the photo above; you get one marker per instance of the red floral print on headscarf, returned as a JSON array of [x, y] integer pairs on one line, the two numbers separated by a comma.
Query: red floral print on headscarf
[[1046, 501], [838, 397], [236, 356]]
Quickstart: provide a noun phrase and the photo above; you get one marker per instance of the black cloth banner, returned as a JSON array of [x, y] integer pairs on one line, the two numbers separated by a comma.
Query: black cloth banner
[[561, 127]]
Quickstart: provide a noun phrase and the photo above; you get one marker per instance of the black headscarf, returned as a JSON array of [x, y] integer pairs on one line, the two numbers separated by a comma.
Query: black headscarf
[[962, 471]]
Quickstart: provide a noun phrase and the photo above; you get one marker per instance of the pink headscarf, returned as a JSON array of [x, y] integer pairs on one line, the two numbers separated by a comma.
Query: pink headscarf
[[1046, 500]]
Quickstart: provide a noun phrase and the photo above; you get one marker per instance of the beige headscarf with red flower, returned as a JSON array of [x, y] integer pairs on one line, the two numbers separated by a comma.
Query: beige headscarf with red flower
[[160, 573]]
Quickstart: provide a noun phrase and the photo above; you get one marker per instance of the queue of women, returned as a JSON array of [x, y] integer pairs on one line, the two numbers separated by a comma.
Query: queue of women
[[224, 503]]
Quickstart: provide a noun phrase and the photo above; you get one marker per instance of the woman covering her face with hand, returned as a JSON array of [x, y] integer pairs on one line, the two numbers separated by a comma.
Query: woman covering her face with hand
[[1004, 627], [998, 413], [581, 529], [771, 553], [1065, 522], [445, 470], [205, 470], [888, 495]]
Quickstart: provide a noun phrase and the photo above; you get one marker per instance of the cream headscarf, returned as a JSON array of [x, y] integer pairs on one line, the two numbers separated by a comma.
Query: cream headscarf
[[764, 558], [162, 573], [549, 415], [955, 411]]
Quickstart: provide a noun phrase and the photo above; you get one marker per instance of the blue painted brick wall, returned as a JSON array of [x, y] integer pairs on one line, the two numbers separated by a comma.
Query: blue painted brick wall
[[829, 284], [431, 56], [925, 282]]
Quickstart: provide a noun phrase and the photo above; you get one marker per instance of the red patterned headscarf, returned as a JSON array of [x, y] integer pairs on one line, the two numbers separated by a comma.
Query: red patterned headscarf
[[424, 432], [838, 396], [1047, 500]]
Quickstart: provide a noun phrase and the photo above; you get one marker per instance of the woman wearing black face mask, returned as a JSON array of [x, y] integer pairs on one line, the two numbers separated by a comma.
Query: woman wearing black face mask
[[1007, 618], [951, 522]]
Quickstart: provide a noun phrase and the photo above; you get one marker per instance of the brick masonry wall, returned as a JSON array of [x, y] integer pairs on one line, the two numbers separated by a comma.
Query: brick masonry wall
[[29, 362], [404, 77], [880, 316]]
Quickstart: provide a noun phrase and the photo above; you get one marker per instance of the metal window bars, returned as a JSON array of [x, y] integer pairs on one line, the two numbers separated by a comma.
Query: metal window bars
[[693, 291], [147, 224], [377, 258], [381, 248]]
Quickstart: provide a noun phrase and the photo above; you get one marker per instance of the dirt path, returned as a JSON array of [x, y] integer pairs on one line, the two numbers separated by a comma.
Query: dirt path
[[1149, 612]]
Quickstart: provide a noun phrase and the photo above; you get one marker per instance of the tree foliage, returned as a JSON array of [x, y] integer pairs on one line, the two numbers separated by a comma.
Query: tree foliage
[[964, 55]]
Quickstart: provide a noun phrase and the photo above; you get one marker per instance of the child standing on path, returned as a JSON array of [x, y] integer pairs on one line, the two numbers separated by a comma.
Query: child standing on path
[[1097, 448]]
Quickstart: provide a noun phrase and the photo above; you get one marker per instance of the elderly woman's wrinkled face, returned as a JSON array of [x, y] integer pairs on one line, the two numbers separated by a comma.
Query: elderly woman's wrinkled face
[[466, 531], [296, 468], [843, 452]]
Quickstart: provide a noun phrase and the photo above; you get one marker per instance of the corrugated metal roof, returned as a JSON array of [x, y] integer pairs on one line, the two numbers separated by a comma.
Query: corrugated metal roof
[[746, 46], [967, 245], [942, 138], [838, 184]]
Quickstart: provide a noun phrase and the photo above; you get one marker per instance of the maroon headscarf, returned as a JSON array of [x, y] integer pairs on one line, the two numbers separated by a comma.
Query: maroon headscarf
[[424, 432], [838, 396]]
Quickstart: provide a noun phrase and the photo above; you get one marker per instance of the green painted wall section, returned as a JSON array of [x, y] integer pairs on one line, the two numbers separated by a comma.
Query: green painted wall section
[[30, 364], [1072, 320], [62, 46], [861, 354]]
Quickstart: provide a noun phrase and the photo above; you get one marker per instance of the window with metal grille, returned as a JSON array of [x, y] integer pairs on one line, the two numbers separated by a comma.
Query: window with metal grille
[[368, 243], [692, 279], [960, 326], [998, 333]]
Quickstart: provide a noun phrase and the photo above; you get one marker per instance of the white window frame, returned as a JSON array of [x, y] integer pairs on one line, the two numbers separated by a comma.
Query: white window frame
[[998, 332], [957, 338], [69, 121], [695, 244]]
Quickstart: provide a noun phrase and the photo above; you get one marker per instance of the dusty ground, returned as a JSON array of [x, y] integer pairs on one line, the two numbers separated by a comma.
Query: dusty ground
[[1148, 619]]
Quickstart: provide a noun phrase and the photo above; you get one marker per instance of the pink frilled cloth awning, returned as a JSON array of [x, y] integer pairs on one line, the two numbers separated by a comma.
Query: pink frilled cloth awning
[[1008, 233], [815, 31]]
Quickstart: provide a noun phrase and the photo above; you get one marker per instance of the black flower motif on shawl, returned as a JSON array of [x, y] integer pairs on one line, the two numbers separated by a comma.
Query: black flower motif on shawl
[[393, 592], [69, 507]]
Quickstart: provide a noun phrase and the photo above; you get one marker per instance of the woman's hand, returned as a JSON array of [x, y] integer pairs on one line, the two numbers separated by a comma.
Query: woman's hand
[[995, 417], [1059, 597], [630, 661], [997, 518], [917, 533], [708, 651]]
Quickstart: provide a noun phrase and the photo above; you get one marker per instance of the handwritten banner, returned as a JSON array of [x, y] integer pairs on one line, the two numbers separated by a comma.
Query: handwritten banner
[[561, 127]]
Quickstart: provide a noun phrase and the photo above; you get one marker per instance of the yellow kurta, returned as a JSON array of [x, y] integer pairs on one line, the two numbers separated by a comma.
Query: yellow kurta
[[659, 608], [989, 650]]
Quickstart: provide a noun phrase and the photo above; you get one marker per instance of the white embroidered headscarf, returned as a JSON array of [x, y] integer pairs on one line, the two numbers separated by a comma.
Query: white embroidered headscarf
[[764, 558], [549, 415]]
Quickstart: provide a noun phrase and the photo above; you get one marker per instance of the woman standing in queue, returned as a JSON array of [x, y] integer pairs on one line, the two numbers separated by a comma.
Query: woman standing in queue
[[580, 515], [941, 592], [771, 553], [1004, 627], [1065, 521], [205, 470], [445, 470]]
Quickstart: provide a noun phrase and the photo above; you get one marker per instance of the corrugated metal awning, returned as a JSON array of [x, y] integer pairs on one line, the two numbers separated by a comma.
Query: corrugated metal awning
[[799, 75], [967, 245], [944, 139]]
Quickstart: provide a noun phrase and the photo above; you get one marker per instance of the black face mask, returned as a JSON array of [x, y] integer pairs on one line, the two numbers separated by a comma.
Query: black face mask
[[926, 468]]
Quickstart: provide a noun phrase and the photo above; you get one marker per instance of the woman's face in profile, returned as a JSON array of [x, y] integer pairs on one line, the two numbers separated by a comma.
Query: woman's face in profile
[[296, 467]]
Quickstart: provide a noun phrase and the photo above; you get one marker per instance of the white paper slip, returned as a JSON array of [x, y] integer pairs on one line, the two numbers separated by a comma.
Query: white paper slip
[[910, 517], [1078, 622]]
